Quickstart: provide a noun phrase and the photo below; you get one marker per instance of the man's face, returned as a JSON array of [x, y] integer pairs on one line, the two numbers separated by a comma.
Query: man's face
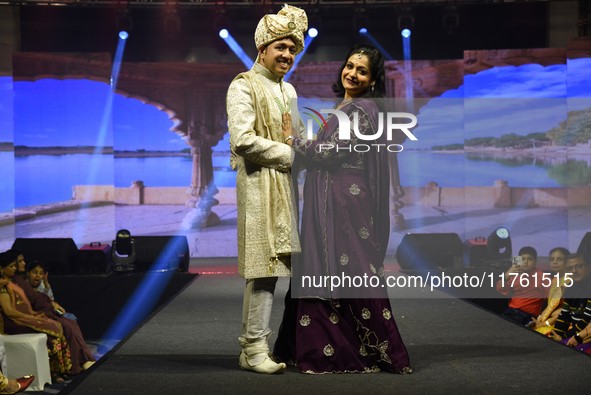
[[557, 261], [528, 263], [278, 57], [578, 268]]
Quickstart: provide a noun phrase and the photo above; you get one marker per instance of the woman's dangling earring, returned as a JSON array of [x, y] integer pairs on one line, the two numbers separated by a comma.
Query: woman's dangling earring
[[372, 88]]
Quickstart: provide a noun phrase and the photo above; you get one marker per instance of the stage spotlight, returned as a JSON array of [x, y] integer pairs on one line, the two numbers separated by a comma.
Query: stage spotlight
[[227, 37], [172, 24], [312, 32], [360, 22], [406, 19], [499, 247], [123, 252], [405, 33], [123, 21], [123, 35]]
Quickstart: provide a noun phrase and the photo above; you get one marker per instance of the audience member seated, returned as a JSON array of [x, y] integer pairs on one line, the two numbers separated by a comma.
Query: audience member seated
[[81, 356], [38, 277], [526, 301], [572, 325], [545, 321], [18, 317]]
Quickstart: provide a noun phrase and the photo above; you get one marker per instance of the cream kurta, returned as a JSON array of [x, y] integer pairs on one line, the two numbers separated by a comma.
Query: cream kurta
[[263, 167]]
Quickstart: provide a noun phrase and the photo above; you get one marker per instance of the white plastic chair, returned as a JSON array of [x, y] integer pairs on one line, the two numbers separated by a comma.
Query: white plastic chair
[[27, 354], [2, 356]]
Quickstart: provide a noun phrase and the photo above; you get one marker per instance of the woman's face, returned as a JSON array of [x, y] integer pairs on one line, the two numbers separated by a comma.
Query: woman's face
[[20, 263], [356, 76], [557, 260], [35, 276], [9, 270]]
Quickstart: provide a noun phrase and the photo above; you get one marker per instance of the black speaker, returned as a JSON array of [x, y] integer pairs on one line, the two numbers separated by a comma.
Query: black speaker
[[585, 247], [59, 255], [172, 252], [426, 251]]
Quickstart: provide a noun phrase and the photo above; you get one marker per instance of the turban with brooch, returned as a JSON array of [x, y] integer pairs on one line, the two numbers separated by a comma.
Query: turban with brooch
[[289, 22]]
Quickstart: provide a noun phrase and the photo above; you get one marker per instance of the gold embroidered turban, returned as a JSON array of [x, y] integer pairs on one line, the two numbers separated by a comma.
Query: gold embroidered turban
[[289, 22]]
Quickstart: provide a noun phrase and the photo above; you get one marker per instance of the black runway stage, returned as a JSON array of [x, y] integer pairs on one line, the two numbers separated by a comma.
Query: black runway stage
[[190, 346]]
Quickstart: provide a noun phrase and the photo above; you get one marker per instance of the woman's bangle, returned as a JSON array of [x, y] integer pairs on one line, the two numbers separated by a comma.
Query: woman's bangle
[[578, 338], [288, 138], [547, 323]]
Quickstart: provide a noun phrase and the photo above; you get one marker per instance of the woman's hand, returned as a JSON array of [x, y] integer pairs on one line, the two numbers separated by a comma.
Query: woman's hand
[[286, 127]]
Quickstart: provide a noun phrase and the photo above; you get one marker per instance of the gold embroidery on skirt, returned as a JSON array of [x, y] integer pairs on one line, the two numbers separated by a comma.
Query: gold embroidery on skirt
[[328, 350], [365, 313], [363, 233], [305, 320], [373, 269], [354, 189], [362, 351], [387, 314], [344, 259], [334, 318]]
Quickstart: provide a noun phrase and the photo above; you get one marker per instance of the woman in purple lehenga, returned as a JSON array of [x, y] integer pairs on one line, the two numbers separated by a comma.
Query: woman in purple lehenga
[[345, 231]]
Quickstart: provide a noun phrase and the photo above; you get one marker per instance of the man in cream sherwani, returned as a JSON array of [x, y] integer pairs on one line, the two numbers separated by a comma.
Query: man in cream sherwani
[[258, 104]]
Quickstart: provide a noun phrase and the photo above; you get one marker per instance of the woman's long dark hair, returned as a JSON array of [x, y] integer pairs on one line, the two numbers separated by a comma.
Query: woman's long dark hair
[[376, 68], [7, 258]]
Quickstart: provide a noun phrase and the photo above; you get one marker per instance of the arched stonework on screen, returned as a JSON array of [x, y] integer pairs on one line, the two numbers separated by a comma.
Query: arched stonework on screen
[[193, 95]]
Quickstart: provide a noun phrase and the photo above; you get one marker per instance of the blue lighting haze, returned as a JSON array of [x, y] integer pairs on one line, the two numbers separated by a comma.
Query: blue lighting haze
[[248, 62], [377, 45], [145, 296], [363, 31]]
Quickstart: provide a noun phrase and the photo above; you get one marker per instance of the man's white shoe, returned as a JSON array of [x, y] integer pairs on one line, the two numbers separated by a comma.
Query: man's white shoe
[[267, 366]]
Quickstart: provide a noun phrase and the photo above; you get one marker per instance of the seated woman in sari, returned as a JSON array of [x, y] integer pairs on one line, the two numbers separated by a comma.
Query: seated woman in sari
[[545, 322], [345, 231], [81, 355], [18, 317]]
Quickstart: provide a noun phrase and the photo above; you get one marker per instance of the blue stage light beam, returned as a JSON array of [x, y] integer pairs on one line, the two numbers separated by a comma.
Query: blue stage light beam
[[234, 46], [365, 33], [408, 69], [307, 41], [102, 133], [145, 296]]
